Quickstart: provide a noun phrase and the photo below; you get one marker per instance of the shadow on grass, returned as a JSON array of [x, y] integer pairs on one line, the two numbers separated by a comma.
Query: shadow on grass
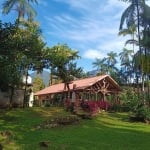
[[109, 131], [120, 116], [9, 118]]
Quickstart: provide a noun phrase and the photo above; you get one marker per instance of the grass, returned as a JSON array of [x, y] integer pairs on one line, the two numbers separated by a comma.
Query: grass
[[108, 131]]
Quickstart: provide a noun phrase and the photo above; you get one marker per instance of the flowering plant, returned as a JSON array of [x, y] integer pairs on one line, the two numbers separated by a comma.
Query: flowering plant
[[94, 106]]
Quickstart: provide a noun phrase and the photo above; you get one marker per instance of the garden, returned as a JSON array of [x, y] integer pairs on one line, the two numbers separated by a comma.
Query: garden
[[53, 128]]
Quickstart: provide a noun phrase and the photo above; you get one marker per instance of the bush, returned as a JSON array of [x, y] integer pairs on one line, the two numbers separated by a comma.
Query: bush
[[93, 107], [104, 105], [47, 105], [129, 99], [116, 107], [141, 113]]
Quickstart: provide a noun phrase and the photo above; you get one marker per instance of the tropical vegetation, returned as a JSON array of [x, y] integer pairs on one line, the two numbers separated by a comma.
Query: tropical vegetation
[[26, 51], [22, 49]]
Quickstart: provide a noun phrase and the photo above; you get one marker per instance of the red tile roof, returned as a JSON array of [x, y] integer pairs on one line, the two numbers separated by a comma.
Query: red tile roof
[[79, 84]]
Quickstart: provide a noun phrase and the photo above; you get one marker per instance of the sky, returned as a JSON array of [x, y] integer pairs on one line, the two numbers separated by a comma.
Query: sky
[[89, 26]]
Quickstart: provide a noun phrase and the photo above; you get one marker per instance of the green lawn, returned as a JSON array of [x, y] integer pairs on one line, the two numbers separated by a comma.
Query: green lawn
[[108, 131]]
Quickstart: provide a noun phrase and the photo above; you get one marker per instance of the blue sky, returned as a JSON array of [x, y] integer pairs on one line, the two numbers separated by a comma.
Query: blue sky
[[89, 26]]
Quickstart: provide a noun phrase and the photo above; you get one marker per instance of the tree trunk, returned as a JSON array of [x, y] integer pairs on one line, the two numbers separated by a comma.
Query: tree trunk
[[148, 90], [140, 50], [143, 86], [25, 90], [51, 76], [11, 97]]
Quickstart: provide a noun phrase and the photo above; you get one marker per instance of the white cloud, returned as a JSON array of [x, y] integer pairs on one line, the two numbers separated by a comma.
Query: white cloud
[[83, 30], [115, 3], [103, 49], [92, 54], [95, 31], [93, 25], [114, 45]]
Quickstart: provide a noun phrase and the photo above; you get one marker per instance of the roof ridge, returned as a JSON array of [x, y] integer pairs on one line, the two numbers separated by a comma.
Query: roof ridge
[[91, 77], [80, 79]]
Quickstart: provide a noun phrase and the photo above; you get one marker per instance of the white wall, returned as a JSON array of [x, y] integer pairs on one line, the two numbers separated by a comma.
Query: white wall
[[17, 100], [29, 80]]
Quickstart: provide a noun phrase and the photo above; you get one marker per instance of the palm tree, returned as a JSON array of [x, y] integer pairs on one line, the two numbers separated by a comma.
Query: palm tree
[[131, 30], [111, 61], [134, 15], [100, 65], [22, 7], [128, 15], [61, 61], [125, 57]]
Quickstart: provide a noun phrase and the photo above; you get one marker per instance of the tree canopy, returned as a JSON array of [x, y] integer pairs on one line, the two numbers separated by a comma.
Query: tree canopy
[[60, 59]]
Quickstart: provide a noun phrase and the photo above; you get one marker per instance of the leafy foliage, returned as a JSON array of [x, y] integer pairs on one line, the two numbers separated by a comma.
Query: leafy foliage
[[8, 56], [20, 50], [38, 84], [93, 107], [60, 59], [140, 113], [22, 7], [129, 98]]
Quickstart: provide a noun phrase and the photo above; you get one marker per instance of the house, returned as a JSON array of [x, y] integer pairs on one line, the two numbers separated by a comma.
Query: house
[[18, 95], [93, 88], [29, 92]]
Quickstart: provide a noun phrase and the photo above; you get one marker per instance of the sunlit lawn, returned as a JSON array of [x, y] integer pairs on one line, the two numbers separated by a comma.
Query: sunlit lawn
[[109, 131]]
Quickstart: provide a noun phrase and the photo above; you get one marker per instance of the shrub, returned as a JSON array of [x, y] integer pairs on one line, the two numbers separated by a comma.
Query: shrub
[[105, 105], [93, 107], [141, 113], [47, 104], [129, 99]]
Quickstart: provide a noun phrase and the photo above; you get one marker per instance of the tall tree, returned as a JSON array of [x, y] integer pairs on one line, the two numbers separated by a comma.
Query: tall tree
[[125, 56], [130, 31], [20, 48], [137, 14], [32, 48], [111, 60], [9, 63], [61, 60], [126, 62], [22, 7], [25, 11], [101, 65]]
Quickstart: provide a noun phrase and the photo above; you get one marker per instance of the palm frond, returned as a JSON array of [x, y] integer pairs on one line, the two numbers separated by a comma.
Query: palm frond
[[124, 32], [31, 13], [33, 1], [132, 41], [126, 14], [7, 6]]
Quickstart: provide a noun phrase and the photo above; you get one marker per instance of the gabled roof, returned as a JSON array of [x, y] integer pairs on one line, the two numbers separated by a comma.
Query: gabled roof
[[76, 85]]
